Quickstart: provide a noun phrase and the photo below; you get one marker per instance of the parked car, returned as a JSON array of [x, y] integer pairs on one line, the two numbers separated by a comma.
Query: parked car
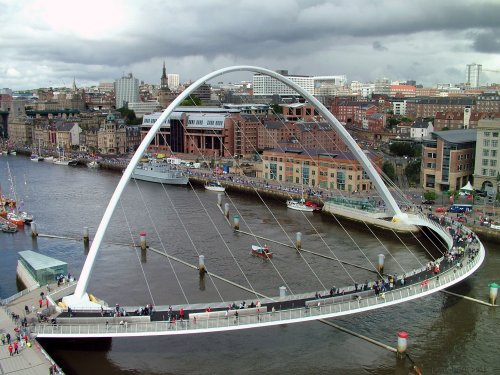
[[428, 202], [440, 209]]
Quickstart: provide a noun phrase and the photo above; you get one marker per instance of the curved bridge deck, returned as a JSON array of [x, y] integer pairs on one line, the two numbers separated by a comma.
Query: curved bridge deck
[[311, 309]]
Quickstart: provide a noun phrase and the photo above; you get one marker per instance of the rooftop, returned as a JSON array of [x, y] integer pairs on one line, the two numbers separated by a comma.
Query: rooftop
[[39, 261]]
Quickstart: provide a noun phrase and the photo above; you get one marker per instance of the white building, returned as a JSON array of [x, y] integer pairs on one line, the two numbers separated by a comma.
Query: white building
[[487, 167], [126, 90], [143, 108], [265, 85], [173, 81], [472, 75], [421, 129], [399, 107]]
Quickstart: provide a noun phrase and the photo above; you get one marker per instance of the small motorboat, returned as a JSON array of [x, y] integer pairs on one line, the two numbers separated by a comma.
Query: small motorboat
[[215, 186], [28, 218], [262, 251], [93, 164], [313, 205], [8, 227]]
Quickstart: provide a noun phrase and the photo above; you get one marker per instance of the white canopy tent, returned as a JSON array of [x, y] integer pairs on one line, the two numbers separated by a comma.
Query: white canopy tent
[[467, 187]]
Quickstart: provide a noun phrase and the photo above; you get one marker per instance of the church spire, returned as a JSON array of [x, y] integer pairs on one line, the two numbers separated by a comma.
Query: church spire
[[164, 79], [164, 75]]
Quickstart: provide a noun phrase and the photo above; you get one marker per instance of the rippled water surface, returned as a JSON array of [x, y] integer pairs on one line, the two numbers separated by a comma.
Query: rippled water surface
[[447, 335]]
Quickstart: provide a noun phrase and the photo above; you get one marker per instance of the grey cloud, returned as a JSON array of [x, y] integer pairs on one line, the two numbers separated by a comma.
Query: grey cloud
[[487, 42], [377, 46]]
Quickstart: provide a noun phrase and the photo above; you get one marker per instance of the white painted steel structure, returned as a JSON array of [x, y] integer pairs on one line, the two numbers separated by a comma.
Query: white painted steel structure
[[295, 315], [80, 298]]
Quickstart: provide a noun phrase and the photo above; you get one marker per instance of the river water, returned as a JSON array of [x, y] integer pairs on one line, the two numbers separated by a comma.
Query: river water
[[447, 335]]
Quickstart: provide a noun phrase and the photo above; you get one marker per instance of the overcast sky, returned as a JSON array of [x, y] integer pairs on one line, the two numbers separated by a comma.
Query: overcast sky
[[50, 42]]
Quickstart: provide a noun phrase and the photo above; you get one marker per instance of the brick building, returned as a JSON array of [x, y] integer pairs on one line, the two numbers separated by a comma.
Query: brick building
[[335, 170], [448, 159]]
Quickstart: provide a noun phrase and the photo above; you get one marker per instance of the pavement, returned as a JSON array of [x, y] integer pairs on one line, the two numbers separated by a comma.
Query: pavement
[[30, 360]]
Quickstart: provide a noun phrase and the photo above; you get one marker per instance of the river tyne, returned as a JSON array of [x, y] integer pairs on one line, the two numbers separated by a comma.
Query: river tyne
[[448, 335]]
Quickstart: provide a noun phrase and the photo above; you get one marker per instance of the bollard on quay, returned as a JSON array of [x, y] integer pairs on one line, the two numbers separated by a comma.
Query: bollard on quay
[[144, 245], [298, 241], [402, 344], [34, 233], [226, 210], [493, 292], [380, 267], [219, 199], [236, 221], [201, 265], [86, 235]]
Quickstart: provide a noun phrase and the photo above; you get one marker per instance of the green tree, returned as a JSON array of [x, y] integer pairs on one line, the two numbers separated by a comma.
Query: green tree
[[129, 116], [430, 195], [388, 169], [192, 100], [276, 108], [412, 172]]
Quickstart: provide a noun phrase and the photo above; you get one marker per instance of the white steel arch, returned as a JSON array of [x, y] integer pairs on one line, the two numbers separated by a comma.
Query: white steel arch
[[78, 299]]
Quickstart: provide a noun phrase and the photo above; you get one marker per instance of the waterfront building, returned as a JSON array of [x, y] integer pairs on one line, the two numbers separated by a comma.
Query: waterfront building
[[335, 170], [111, 136], [67, 134], [20, 131], [487, 169], [126, 90], [448, 159]]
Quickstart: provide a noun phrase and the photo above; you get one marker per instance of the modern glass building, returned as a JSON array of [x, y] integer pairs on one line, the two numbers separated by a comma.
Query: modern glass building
[[42, 268]]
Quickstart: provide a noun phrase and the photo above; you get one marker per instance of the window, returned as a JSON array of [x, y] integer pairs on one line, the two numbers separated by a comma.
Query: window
[[494, 153], [485, 162], [495, 134], [486, 142], [484, 172], [493, 163], [486, 152], [487, 134], [494, 143], [493, 172]]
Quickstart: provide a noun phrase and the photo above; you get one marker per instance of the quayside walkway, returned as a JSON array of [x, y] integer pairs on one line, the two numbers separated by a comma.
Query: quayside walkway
[[32, 359], [269, 311]]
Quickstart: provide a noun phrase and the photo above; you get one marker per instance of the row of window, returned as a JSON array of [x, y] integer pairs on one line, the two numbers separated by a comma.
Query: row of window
[[494, 134], [487, 152], [490, 172], [493, 142], [490, 162]]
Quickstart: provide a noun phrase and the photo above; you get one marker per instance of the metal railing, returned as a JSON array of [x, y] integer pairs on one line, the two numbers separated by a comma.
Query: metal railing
[[276, 317], [8, 300]]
